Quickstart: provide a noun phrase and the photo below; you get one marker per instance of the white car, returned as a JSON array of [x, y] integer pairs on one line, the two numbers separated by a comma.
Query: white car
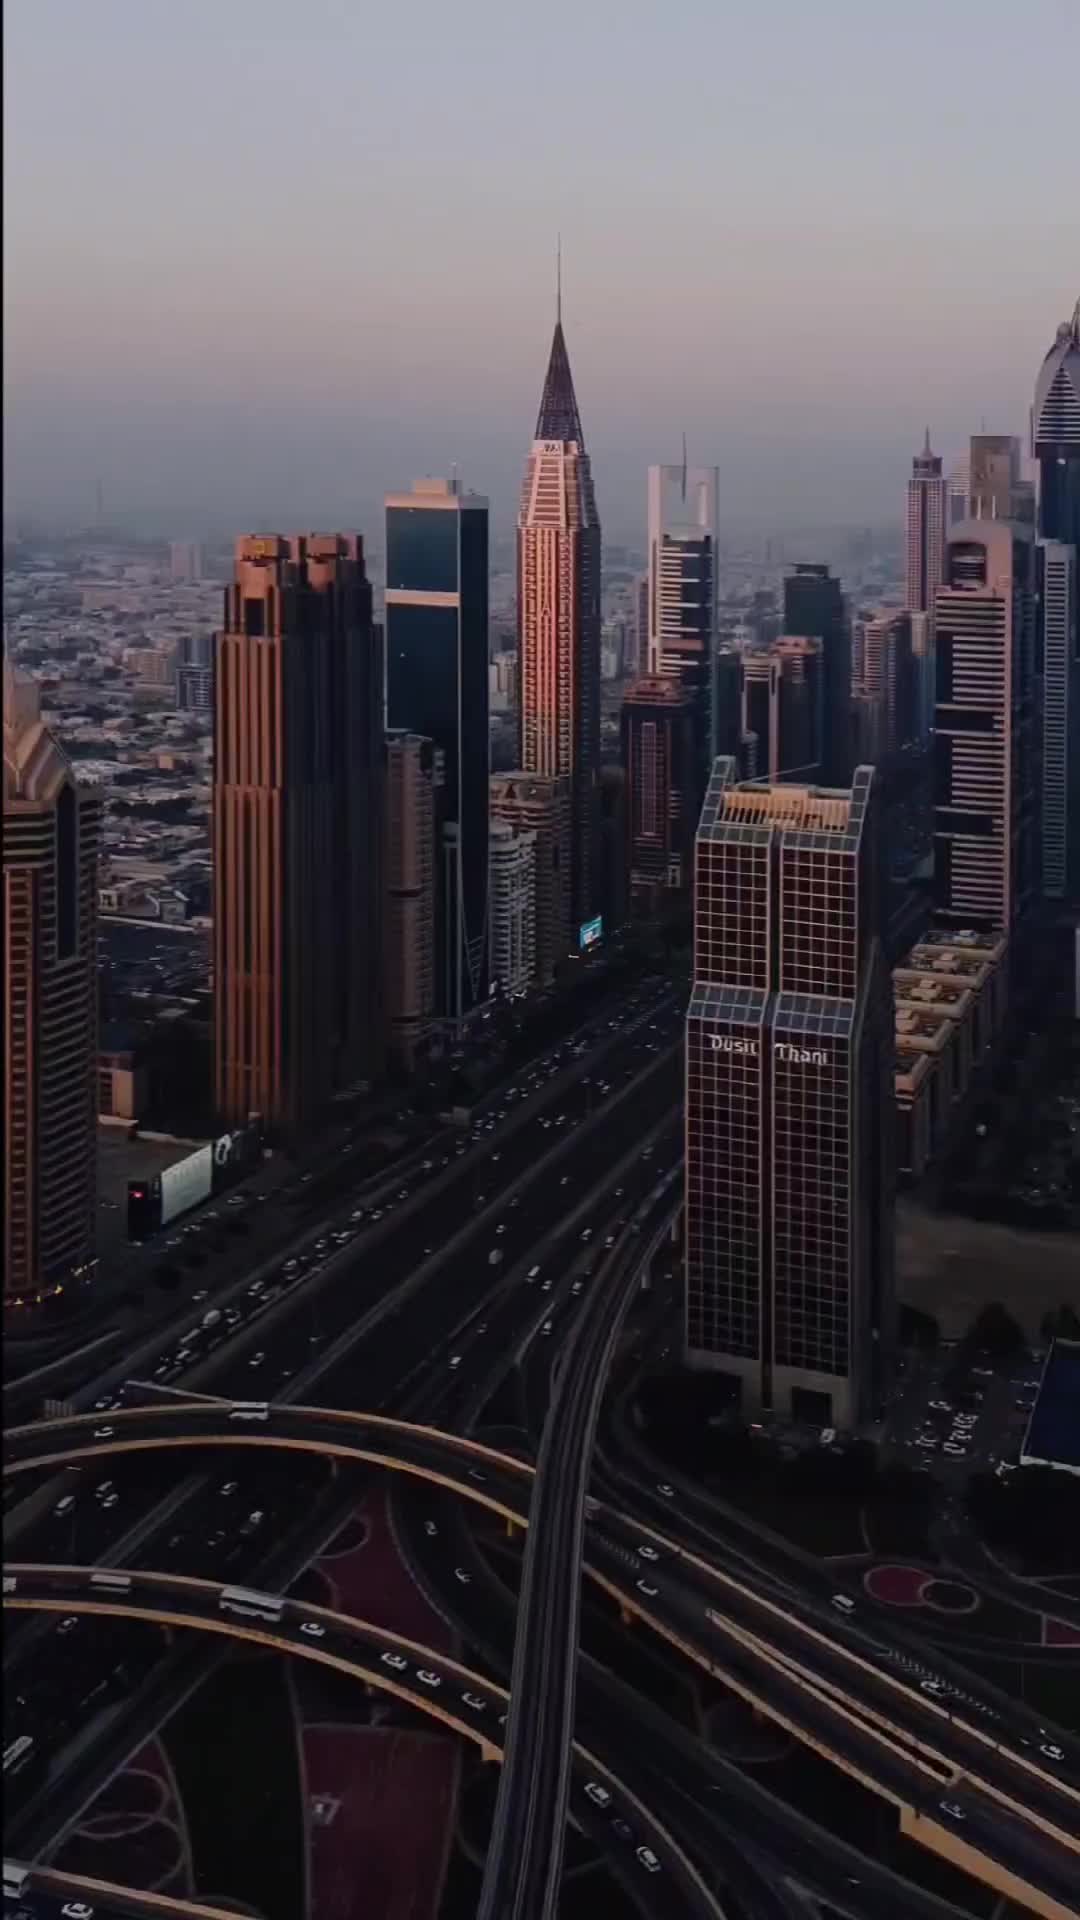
[[649, 1592], [395, 1660], [474, 1701], [648, 1859], [843, 1603], [668, 1492], [313, 1629], [648, 1553], [460, 1574], [427, 1678], [1051, 1751], [598, 1794], [430, 1528], [950, 1807]]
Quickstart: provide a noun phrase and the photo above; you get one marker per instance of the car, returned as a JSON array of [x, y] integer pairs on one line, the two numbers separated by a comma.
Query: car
[[501, 1228], [257, 1359], [648, 1553], [598, 1794], [68, 1624], [427, 1678], [950, 1807], [103, 1489], [465, 1578], [76, 1910], [649, 1592], [940, 1406], [455, 1361], [1051, 1751], [474, 1701], [395, 1660], [313, 1630], [546, 1328], [104, 1433], [933, 1686], [648, 1859], [956, 1451], [532, 1273], [64, 1506], [228, 1487], [843, 1603], [586, 1234], [430, 1529], [483, 1327], [668, 1492], [545, 1285], [578, 1287]]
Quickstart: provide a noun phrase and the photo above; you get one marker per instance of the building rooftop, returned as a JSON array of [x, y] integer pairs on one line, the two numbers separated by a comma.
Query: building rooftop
[[947, 996], [1053, 1434], [923, 1030], [817, 808]]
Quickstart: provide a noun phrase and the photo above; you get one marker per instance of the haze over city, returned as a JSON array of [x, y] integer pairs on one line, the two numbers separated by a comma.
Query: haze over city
[[264, 262]]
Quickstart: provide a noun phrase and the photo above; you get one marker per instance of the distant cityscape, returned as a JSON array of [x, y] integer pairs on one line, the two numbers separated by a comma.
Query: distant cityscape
[[373, 810]]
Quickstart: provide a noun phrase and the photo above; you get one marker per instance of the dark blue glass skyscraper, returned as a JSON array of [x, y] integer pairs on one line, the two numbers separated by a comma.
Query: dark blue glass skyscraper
[[437, 685]]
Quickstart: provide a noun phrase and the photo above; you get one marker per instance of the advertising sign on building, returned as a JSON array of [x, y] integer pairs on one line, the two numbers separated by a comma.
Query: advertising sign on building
[[590, 933], [186, 1184]]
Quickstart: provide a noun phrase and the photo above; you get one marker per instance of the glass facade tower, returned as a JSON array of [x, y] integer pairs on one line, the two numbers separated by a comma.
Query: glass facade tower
[[437, 686], [789, 1162]]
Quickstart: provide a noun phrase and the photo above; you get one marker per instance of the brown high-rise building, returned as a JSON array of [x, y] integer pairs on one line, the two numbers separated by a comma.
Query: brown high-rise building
[[559, 620], [297, 830], [660, 743], [541, 806], [789, 1084], [409, 881], [52, 828]]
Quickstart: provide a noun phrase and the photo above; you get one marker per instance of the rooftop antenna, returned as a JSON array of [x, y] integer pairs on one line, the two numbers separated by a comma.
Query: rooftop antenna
[[684, 469]]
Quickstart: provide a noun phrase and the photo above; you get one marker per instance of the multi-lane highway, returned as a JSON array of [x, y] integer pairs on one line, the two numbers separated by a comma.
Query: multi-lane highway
[[523, 1871], [571, 1146], [1001, 1795], [469, 1703]]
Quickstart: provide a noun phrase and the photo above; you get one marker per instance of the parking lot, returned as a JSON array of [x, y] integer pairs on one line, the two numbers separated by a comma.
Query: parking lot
[[960, 1416]]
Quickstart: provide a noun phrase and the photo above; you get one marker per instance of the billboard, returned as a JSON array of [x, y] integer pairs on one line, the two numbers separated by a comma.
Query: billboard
[[187, 1184], [235, 1154], [590, 933]]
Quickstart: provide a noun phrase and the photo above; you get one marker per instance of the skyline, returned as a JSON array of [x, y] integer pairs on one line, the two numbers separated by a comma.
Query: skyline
[[800, 291]]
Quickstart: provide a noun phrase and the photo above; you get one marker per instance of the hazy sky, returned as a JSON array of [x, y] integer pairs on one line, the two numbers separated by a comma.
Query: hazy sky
[[265, 261]]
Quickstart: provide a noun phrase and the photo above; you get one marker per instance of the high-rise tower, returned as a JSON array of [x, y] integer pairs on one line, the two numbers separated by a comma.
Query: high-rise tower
[[926, 529], [789, 1061], [682, 586], [985, 770], [663, 788], [297, 829], [814, 606], [437, 685], [559, 618], [52, 826], [1055, 437]]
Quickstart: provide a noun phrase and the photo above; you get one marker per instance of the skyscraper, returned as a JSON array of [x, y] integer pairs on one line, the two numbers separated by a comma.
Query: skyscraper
[[559, 618], [513, 908], [997, 488], [1055, 435], [409, 881], [814, 606], [782, 731], [437, 685], [682, 586], [985, 788], [52, 827], [926, 529], [297, 829], [663, 788], [533, 803], [789, 1101]]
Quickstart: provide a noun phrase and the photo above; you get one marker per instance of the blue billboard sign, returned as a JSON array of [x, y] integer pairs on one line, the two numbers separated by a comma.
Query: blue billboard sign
[[590, 933]]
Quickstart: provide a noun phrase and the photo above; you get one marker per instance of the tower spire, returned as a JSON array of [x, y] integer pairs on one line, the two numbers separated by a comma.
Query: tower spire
[[558, 280], [684, 468], [926, 441]]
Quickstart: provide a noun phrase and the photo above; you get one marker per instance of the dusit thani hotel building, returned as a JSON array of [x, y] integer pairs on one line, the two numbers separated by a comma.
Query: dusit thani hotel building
[[789, 1067]]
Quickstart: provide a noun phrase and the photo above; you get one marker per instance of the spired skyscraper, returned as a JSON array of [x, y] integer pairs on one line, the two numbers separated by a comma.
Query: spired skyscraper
[[1055, 437], [559, 620]]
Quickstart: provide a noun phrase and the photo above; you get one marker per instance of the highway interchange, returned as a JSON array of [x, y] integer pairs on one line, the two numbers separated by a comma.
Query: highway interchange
[[412, 1315]]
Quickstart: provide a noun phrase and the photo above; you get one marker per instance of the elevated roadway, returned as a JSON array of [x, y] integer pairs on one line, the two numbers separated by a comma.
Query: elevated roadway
[[466, 1702], [1013, 1822]]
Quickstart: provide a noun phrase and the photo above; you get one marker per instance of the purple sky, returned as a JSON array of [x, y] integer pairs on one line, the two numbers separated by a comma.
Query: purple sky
[[266, 262]]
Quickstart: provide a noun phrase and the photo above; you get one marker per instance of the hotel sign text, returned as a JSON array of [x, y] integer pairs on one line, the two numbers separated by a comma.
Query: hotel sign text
[[783, 1049]]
